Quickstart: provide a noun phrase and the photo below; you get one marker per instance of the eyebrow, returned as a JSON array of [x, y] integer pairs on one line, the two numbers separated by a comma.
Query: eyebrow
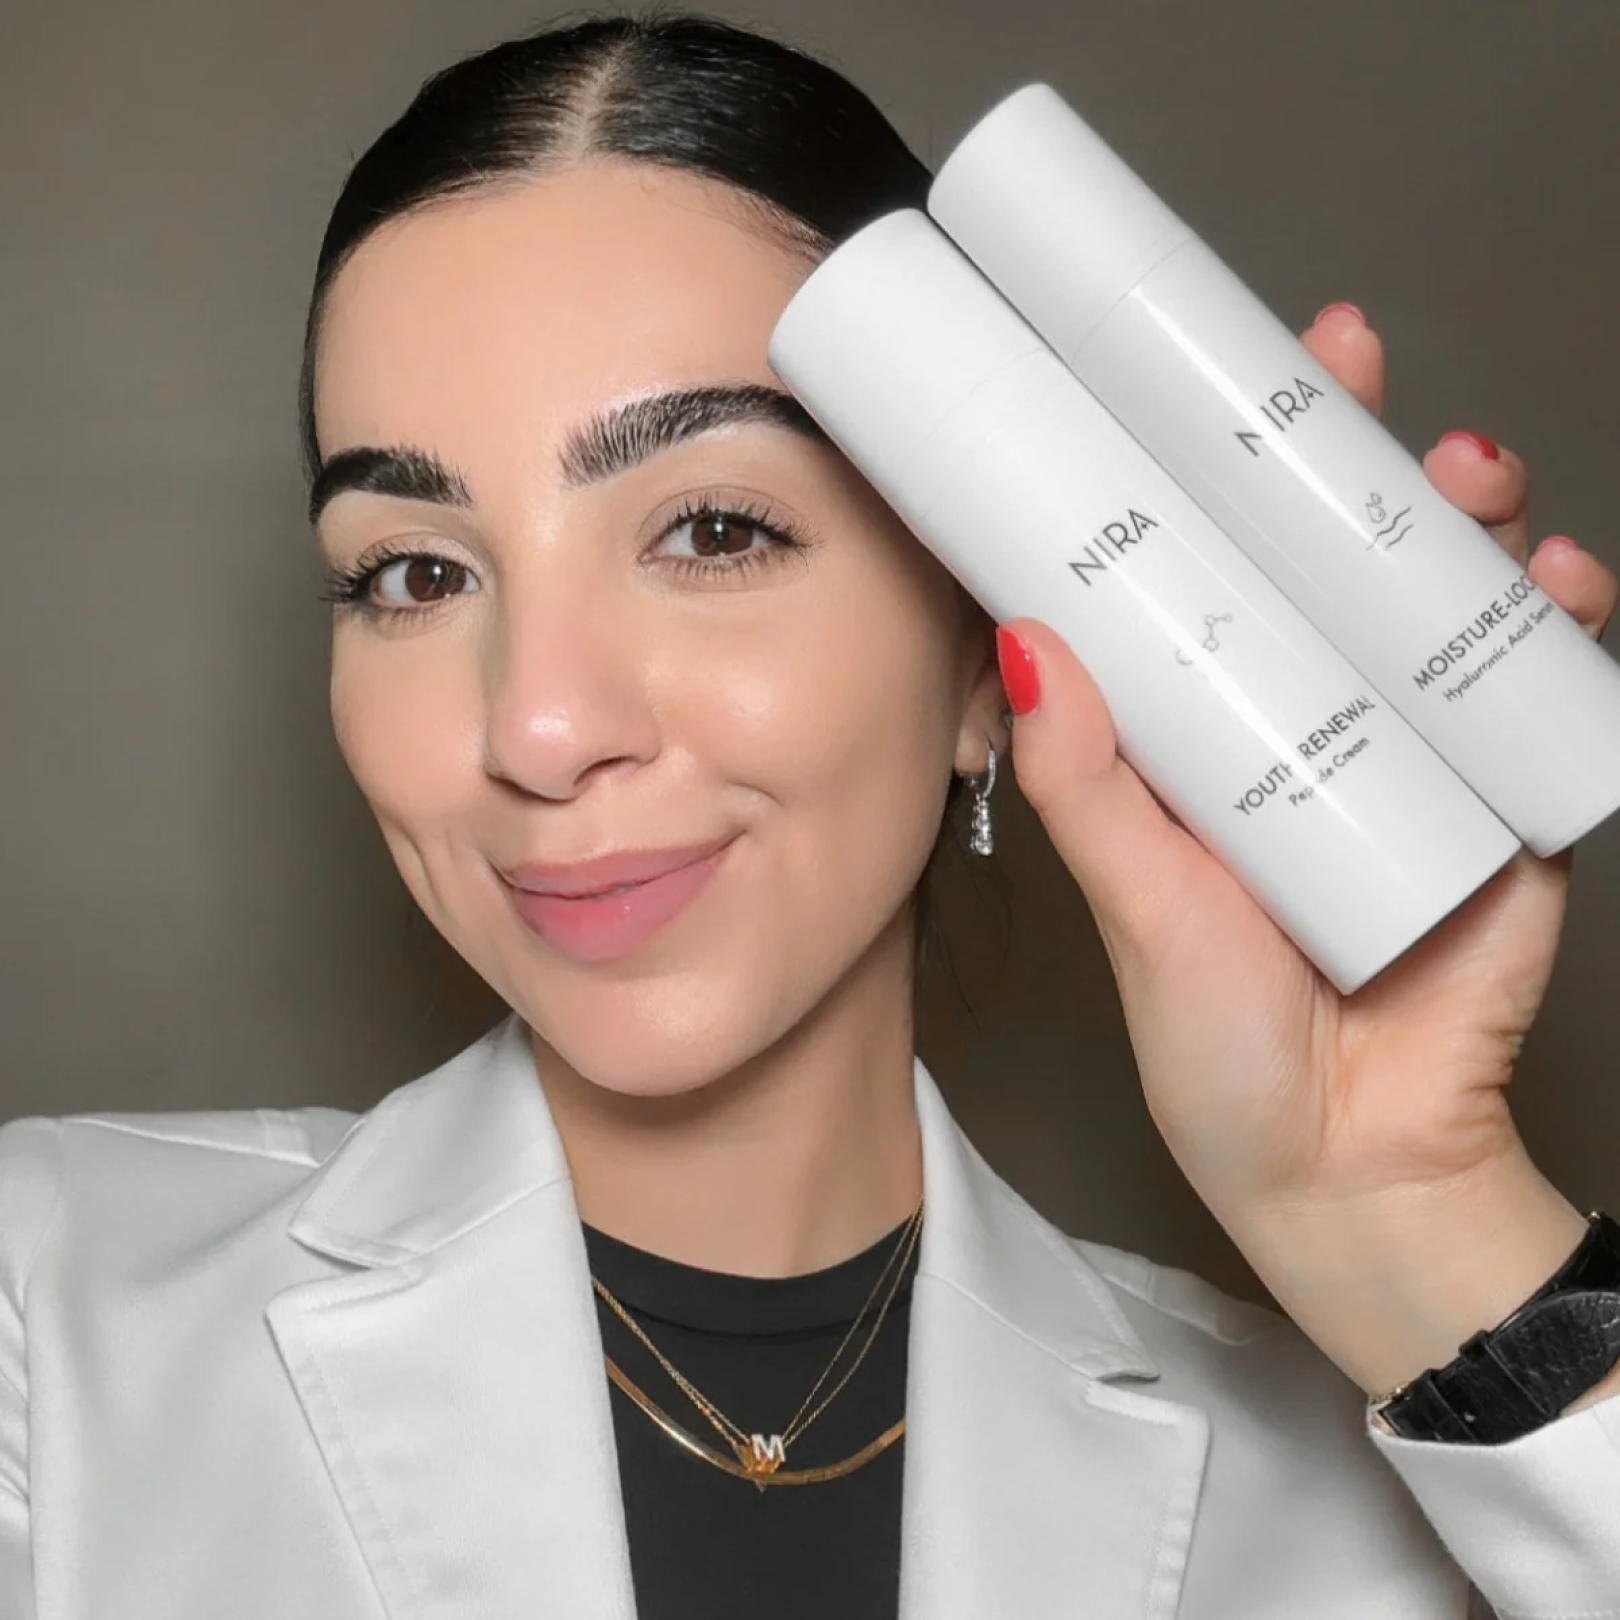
[[611, 442]]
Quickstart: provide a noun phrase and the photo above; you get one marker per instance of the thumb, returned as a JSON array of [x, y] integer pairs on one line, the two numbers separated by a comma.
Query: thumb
[[1134, 863]]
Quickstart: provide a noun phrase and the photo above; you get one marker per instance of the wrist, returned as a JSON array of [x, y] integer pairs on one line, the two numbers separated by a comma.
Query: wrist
[[1511, 1379], [1391, 1285]]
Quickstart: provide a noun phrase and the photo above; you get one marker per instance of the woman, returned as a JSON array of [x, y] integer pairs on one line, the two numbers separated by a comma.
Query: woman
[[638, 1306]]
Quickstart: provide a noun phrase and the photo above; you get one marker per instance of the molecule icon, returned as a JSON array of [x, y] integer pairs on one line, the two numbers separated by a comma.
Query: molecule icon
[[1211, 641]]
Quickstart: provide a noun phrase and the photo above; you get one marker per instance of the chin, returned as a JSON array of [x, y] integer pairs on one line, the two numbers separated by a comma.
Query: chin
[[656, 1038]]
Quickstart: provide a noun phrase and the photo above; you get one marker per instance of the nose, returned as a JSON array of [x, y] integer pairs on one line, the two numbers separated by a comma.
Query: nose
[[566, 696]]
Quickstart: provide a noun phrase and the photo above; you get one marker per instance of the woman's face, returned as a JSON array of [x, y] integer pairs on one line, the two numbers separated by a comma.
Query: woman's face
[[551, 660]]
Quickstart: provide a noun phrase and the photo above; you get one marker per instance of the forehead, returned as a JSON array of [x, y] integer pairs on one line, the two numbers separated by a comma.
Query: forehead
[[510, 313]]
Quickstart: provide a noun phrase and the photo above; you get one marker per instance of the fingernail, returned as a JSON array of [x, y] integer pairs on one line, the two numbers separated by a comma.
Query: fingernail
[[1018, 674], [1486, 447], [1558, 542], [1334, 309]]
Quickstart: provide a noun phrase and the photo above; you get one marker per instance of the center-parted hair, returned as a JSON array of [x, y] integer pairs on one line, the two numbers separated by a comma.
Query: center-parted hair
[[676, 89]]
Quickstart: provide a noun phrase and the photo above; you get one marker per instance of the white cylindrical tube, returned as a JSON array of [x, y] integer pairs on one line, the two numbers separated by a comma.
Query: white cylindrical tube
[[1256, 733], [1505, 685]]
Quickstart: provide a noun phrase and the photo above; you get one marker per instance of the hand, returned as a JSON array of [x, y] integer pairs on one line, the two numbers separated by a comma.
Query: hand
[[1358, 1149]]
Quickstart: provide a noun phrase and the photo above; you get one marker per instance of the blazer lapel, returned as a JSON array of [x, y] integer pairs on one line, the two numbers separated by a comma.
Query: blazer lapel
[[454, 1385], [450, 1371], [1033, 1484]]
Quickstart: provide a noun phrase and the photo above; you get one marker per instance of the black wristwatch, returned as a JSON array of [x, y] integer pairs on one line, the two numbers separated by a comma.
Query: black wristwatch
[[1510, 1379]]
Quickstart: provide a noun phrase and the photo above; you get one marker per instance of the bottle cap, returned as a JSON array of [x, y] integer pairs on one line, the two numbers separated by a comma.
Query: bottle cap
[[888, 337], [1051, 214]]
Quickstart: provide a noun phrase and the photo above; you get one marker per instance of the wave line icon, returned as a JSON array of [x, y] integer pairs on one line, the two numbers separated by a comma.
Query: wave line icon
[[1390, 527]]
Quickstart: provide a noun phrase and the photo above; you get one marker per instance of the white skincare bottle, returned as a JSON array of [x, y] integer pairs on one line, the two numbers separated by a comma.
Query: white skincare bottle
[[1516, 697], [1256, 733]]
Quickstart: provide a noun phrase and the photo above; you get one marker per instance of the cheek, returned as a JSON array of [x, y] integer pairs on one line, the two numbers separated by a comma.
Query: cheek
[[832, 731], [842, 716], [405, 716]]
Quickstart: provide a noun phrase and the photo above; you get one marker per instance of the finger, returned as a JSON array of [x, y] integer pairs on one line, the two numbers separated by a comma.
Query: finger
[[1342, 340], [1487, 482], [1132, 861], [1582, 586]]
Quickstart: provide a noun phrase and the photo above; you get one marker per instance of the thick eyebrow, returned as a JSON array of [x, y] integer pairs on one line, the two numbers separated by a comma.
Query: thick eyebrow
[[605, 445], [400, 470]]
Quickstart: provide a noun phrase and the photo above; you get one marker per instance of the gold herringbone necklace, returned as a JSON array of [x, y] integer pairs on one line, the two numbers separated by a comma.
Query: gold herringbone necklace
[[760, 1457]]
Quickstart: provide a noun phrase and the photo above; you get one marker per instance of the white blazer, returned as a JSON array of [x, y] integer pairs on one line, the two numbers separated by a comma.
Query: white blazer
[[267, 1365]]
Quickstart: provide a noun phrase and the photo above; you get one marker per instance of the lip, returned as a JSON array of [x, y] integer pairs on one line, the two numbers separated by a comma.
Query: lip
[[578, 879], [607, 907]]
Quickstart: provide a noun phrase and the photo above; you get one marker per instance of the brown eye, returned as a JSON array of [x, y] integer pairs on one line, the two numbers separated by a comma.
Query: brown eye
[[711, 534], [722, 534], [710, 540], [419, 582]]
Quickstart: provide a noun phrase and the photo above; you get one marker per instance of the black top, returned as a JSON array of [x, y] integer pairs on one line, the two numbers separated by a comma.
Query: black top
[[705, 1545]]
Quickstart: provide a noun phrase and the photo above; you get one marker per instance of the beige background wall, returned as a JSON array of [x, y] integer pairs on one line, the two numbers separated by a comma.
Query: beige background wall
[[194, 909]]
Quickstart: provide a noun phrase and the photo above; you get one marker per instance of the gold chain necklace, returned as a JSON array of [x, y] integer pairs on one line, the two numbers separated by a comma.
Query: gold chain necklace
[[760, 1457]]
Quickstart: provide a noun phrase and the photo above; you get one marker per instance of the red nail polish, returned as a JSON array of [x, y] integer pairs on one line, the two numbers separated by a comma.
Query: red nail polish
[[1349, 309], [1486, 447], [1018, 674]]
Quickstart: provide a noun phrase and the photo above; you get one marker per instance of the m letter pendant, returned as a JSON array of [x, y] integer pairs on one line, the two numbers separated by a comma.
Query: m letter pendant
[[761, 1455]]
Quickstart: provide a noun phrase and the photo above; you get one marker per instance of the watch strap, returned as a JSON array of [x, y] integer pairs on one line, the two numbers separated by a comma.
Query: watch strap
[[1509, 1380]]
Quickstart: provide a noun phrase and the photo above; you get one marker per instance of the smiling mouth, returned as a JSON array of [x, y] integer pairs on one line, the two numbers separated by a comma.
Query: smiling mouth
[[601, 925], [563, 882]]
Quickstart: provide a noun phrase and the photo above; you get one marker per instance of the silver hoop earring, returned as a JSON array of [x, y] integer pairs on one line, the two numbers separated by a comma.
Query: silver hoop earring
[[982, 838]]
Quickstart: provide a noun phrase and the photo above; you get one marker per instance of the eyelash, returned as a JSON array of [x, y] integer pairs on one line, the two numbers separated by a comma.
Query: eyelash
[[347, 589]]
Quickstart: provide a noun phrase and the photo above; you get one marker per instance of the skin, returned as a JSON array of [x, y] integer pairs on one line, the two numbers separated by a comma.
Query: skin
[[737, 1094]]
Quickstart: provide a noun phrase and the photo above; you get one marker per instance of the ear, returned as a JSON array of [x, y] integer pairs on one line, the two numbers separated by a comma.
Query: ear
[[985, 716]]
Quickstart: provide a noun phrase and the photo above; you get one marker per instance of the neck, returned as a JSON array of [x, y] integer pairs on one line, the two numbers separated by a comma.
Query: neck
[[804, 1155]]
